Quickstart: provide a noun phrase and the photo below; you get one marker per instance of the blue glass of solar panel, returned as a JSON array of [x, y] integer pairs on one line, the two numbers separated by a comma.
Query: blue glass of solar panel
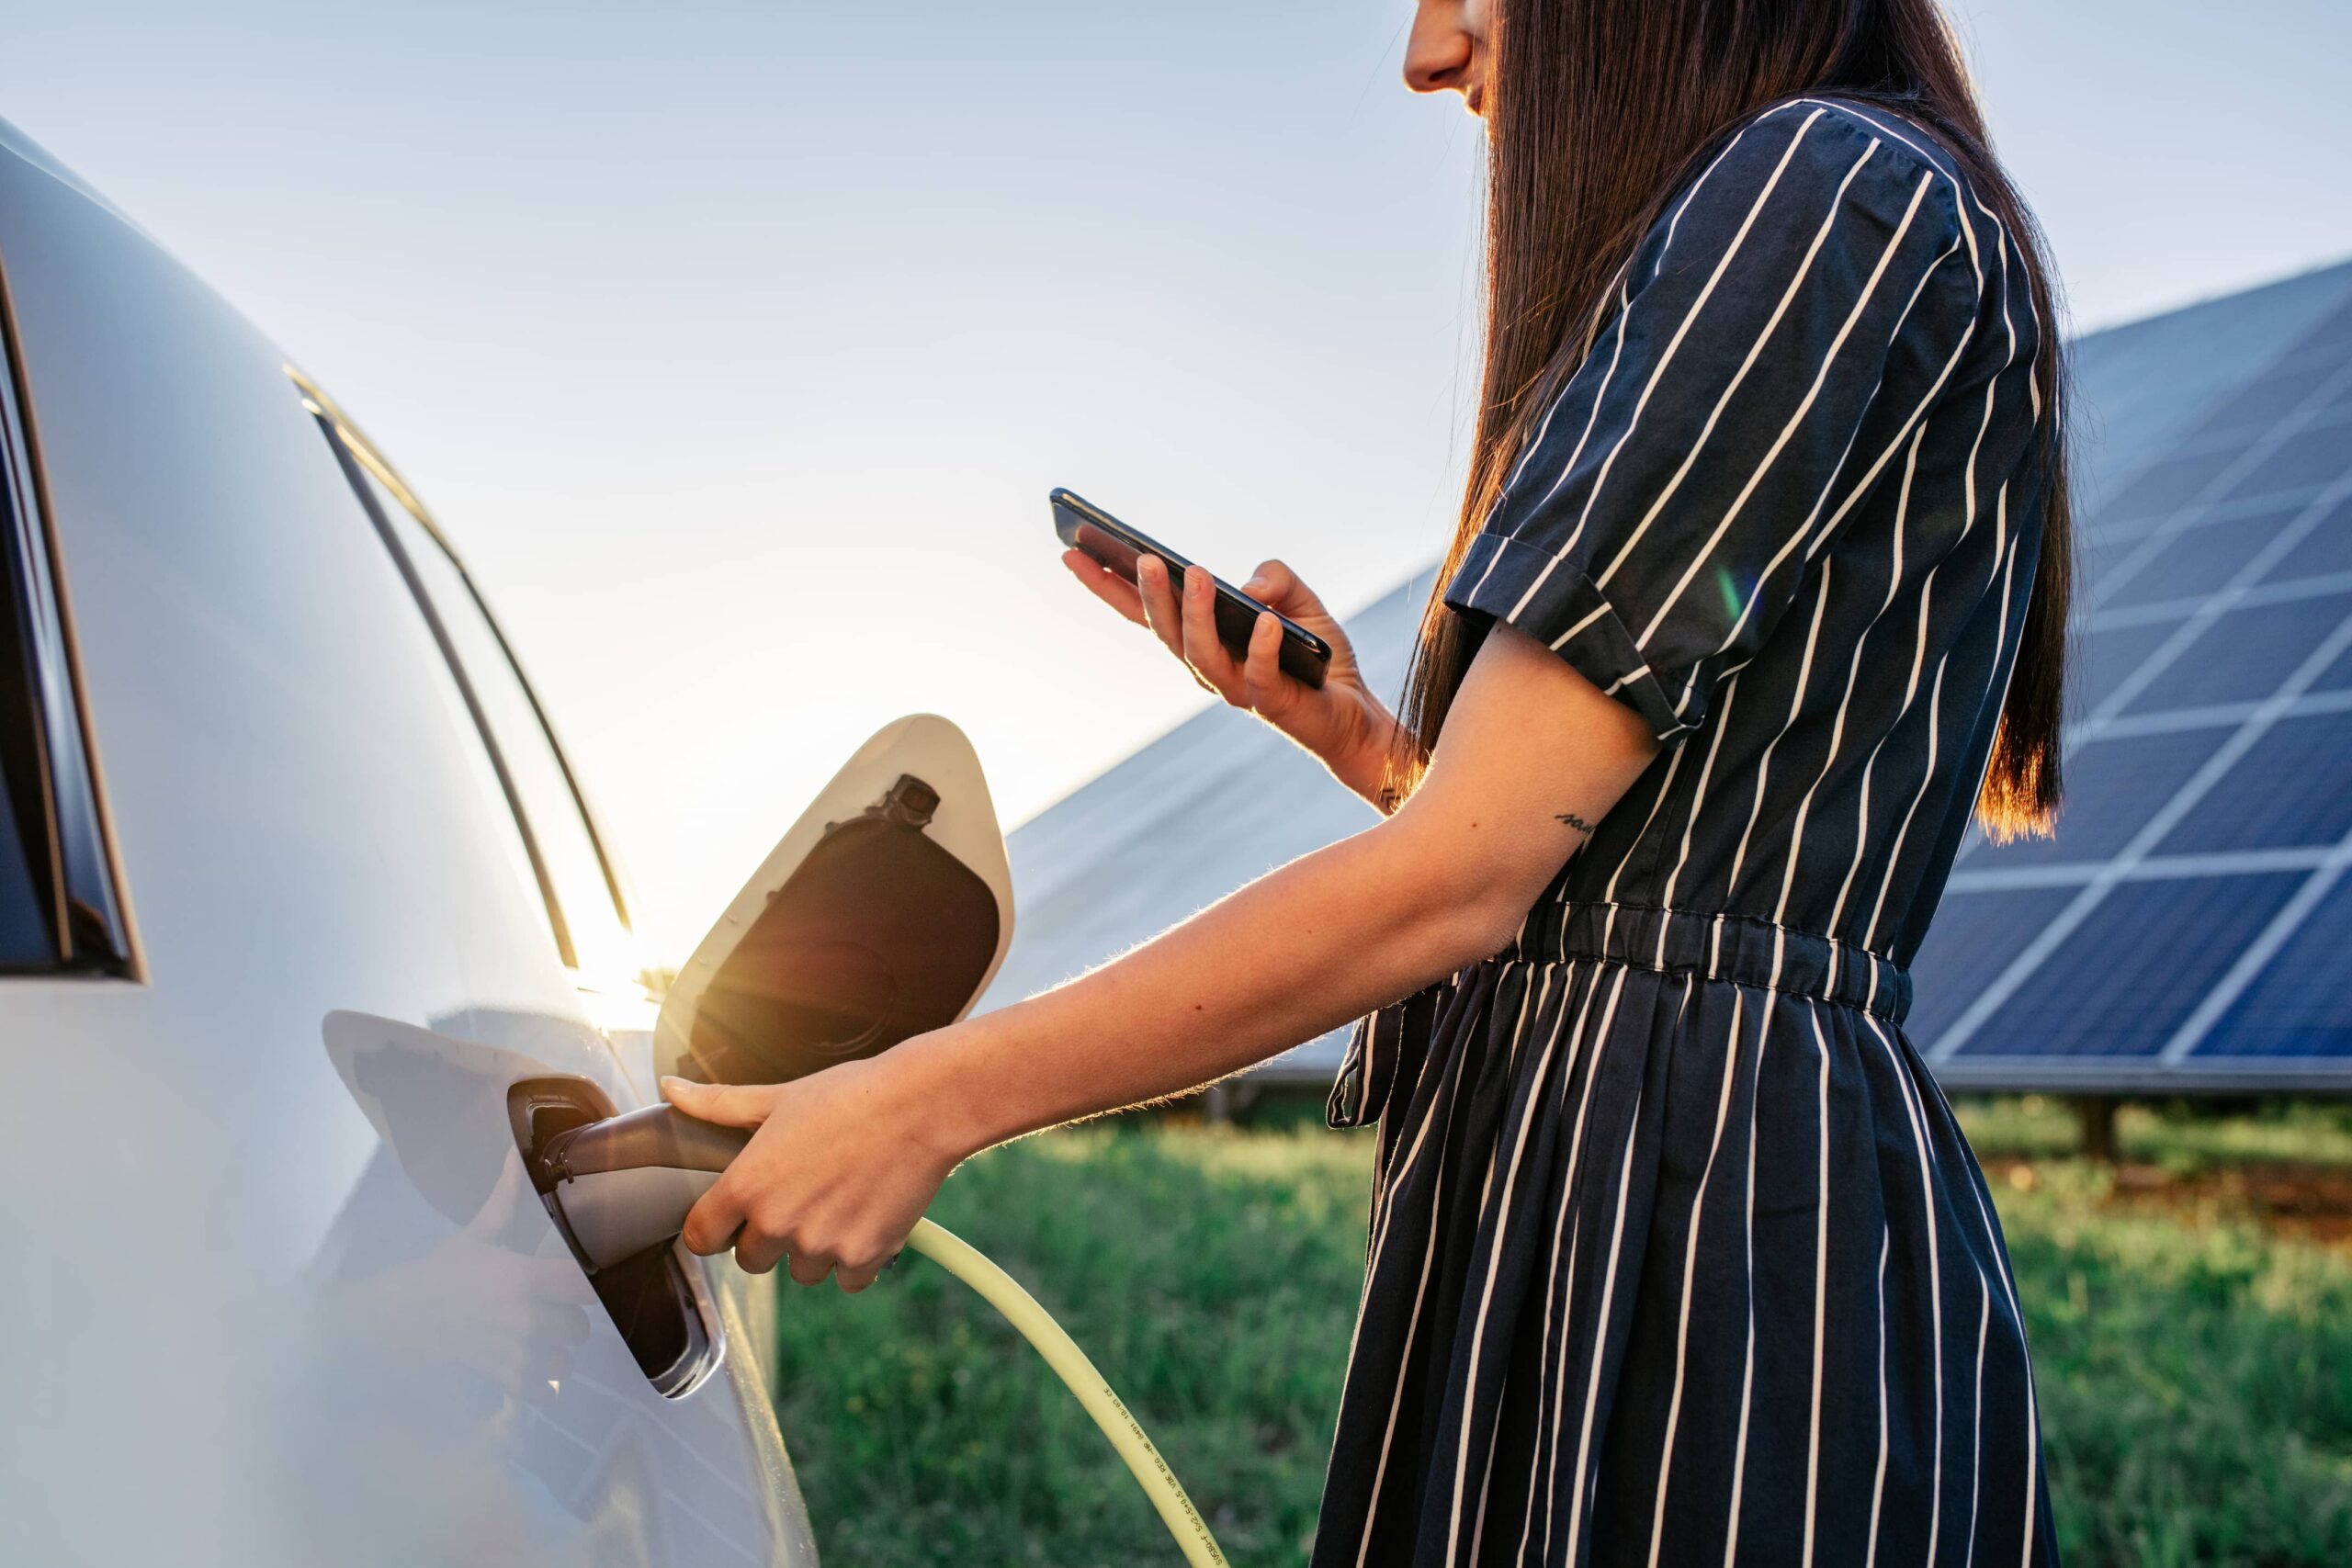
[[2114, 784], [2323, 551], [2170, 483], [2300, 1003], [2101, 548], [2103, 657], [1974, 936], [2244, 655], [2195, 561], [2120, 982], [2314, 455], [2292, 787], [2275, 394], [2336, 677], [2335, 330]]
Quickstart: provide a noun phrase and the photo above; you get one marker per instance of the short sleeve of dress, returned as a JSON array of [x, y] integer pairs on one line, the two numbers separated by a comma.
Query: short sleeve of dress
[[1673, 496]]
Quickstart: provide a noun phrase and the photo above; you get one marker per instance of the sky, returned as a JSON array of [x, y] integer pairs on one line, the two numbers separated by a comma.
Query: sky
[[737, 345]]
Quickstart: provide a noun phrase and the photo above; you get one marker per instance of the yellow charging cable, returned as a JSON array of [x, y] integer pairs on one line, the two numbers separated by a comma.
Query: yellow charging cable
[[1000, 1291]]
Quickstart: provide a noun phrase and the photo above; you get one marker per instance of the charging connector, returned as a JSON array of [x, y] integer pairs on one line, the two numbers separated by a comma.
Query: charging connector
[[622, 1186]]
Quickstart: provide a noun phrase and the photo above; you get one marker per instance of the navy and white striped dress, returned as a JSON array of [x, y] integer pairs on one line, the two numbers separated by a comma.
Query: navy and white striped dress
[[1677, 1253]]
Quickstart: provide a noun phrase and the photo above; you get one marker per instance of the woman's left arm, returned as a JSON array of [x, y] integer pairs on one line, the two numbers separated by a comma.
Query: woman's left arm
[[846, 1160]]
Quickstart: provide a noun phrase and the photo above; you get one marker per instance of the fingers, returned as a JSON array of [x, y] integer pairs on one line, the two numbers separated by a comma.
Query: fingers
[[759, 1248], [1106, 585], [1276, 586], [712, 1223], [1267, 690], [1204, 650], [728, 1105], [1157, 595], [718, 1223], [853, 1279]]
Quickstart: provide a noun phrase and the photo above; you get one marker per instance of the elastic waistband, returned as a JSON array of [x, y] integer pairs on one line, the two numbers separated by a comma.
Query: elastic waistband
[[1742, 949]]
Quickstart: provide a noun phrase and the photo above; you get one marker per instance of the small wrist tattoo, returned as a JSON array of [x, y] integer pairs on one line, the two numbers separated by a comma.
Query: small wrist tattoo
[[1575, 821]]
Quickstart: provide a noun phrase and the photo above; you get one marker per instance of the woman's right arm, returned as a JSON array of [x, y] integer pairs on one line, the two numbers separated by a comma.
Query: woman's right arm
[[1341, 723]]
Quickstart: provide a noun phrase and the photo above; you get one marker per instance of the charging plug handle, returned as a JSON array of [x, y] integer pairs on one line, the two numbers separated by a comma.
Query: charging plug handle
[[625, 1184]]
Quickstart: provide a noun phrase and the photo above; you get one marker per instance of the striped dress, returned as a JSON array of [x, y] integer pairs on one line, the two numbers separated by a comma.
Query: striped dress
[[1677, 1253]]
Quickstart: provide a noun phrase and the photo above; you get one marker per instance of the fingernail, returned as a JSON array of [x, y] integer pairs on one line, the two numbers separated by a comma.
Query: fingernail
[[669, 1083]]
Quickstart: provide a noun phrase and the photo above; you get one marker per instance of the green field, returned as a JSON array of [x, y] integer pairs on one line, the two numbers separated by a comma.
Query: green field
[[2190, 1313]]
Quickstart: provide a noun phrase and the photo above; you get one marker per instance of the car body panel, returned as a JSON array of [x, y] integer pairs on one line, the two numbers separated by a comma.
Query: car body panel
[[239, 1328]]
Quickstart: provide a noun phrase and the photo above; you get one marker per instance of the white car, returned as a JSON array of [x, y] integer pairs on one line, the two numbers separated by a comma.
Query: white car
[[307, 936]]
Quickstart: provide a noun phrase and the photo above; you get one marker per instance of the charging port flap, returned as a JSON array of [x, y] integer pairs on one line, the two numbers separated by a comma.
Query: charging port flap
[[884, 912]]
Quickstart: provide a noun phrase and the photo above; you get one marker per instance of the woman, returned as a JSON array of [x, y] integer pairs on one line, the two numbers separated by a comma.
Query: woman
[[1676, 1254]]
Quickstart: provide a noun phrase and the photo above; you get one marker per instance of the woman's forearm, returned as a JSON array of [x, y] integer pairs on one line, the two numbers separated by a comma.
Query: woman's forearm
[[1364, 769], [845, 1161], [1443, 882], [1313, 945]]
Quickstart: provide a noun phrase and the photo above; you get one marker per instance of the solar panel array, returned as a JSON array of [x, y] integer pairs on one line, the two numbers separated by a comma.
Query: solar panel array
[[2190, 925]]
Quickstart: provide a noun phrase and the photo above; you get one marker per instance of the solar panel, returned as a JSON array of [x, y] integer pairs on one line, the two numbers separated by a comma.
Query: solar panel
[[2296, 1004], [2326, 551], [2293, 786], [2243, 654], [2116, 783], [2336, 677], [2190, 925], [1982, 930], [2187, 564], [2107, 656], [2129, 969]]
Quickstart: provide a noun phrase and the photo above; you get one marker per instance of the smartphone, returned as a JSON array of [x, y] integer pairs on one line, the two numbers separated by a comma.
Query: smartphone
[[1117, 548]]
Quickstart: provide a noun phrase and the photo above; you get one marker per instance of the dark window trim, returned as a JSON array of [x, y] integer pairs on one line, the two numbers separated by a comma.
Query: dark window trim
[[70, 842], [358, 457]]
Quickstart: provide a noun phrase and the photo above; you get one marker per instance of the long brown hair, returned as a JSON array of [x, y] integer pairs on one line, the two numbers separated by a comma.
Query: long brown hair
[[1598, 111]]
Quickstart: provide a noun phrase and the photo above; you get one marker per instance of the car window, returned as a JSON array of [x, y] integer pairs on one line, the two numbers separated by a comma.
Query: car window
[[59, 908], [561, 847], [24, 922]]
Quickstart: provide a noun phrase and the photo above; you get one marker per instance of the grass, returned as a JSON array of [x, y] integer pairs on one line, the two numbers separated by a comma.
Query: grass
[[2195, 1364]]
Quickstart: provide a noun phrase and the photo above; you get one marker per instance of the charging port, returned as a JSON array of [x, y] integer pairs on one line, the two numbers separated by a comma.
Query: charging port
[[647, 1296]]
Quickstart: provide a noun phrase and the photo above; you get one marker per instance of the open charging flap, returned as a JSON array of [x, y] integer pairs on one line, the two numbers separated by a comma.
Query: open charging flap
[[883, 913]]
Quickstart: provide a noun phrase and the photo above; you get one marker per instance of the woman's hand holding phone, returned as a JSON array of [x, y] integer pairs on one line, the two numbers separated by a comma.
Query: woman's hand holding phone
[[1341, 722]]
